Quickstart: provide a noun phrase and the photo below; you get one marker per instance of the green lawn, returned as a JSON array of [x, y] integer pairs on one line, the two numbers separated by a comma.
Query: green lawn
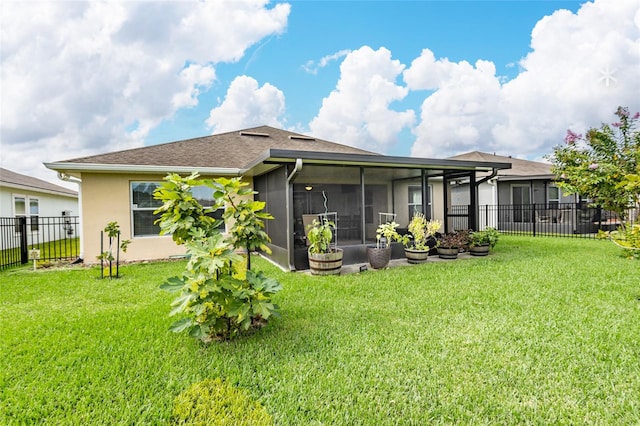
[[544, 331]]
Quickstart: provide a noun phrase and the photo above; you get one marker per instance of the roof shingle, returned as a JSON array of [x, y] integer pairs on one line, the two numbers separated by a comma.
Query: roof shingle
[[225, 150]]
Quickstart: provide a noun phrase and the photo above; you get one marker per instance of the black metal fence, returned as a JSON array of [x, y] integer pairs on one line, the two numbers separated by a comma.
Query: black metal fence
[[56, 238], [559, 219]]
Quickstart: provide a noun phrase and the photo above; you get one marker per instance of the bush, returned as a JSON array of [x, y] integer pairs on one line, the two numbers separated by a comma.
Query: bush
[[218, 291], [213, 402]]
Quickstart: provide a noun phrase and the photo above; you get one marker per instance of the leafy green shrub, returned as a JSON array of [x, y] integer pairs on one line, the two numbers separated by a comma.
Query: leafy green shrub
[[320, 234], [220, 299], [214, 402], [489, 236]]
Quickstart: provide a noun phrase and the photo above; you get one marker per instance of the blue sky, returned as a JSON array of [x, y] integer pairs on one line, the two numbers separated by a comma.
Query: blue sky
[[414, 78]]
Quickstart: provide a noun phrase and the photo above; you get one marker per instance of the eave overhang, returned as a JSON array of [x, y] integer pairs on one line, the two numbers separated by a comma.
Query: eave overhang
[[75, 169], [273, 158]]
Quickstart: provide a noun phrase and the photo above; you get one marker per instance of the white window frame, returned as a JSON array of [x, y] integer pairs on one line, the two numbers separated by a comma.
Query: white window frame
[[411, 206], [27, 199], [553, 201], [134, 208]]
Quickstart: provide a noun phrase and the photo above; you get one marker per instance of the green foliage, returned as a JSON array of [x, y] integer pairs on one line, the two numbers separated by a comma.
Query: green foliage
[[489, 236], [113, 230], [626, 237], [214, 402], [180, 211], [604, 165], [244, 213], [320, 234], [219, 300], [421, 231], [388, 231]]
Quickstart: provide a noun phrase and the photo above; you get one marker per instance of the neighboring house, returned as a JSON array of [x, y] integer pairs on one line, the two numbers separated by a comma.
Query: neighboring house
[[34, 199], [294, 174], [524, 194]]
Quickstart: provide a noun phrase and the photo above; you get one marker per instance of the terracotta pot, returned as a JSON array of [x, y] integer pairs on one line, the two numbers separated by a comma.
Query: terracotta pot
[[379, 257], [326, 263], [448, 253], [482, 250], [416, 256]]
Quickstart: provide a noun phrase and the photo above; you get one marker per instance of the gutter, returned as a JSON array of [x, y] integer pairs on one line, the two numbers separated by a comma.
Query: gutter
[[133, 168], [493, 174]]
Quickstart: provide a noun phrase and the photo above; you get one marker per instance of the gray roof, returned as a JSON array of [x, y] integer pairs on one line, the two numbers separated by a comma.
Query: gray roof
[[231, 150], [519, 168], [248, 152], [17, 180]]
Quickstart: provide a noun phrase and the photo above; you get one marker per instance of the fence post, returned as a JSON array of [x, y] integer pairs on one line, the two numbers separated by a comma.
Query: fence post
[[24, 255], [533, 218]]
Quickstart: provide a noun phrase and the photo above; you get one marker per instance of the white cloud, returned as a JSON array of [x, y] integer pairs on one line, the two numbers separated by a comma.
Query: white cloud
[[312, 66], [358, 111], [247, 105], [85, 77], [581, 67]]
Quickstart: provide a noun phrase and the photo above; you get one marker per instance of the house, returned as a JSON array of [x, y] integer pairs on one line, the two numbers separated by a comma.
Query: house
[[525, 194], [294, 174], [37, 201]]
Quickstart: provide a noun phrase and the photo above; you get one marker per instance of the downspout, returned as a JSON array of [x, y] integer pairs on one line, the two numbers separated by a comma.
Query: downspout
[[494, 198], [65, 177], [290, 245]]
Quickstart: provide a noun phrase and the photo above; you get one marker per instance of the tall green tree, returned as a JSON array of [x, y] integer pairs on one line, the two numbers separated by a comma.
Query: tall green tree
[[603, 165]]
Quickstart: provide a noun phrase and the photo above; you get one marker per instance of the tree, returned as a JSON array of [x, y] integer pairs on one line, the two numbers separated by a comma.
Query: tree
[[220, 301], [604, 165]]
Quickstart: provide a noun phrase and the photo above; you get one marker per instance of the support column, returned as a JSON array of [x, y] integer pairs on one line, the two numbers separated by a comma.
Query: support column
[[473, 202]]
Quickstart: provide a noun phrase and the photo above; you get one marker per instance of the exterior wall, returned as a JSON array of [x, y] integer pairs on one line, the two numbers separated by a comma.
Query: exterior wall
[[107, 198], [50, 205]]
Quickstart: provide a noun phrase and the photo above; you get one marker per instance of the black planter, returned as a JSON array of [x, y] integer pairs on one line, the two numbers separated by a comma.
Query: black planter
[[378, 257]]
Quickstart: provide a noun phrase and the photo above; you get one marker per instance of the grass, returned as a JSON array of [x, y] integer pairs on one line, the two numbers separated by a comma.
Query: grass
[[67, 248], [542, 331]]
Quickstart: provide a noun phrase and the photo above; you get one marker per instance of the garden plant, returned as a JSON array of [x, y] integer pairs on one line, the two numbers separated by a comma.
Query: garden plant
[[604, 166], [220, 301]]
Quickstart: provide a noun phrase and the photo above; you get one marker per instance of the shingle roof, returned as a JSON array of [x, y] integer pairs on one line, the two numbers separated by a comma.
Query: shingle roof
[[13, 179], [225, 150], [519, 168]]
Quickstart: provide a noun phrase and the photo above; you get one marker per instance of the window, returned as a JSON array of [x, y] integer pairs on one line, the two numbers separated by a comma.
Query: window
[[415, 200], [143, 205], [19, 209], [34, 212], [521, 200], [553, 195], [29, 208]]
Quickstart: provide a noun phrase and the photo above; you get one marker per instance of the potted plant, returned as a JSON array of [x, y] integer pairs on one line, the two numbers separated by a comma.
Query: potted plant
[[380, 254], [323, 258], [480, 242], [416, 247], [450, 244]]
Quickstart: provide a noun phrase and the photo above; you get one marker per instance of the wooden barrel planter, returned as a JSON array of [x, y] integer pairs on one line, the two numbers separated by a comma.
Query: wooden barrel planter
[[326, 263], [448, 253], [482, 250], [416, 256]]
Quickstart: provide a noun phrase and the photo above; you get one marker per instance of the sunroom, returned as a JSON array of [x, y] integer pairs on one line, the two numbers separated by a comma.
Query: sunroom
[[357, 192]]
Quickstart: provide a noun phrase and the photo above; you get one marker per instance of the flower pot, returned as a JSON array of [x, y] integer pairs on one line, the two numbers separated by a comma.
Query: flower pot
[[326, 263], [416, 256], [379, 257], [448, 253], [481, 250]]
